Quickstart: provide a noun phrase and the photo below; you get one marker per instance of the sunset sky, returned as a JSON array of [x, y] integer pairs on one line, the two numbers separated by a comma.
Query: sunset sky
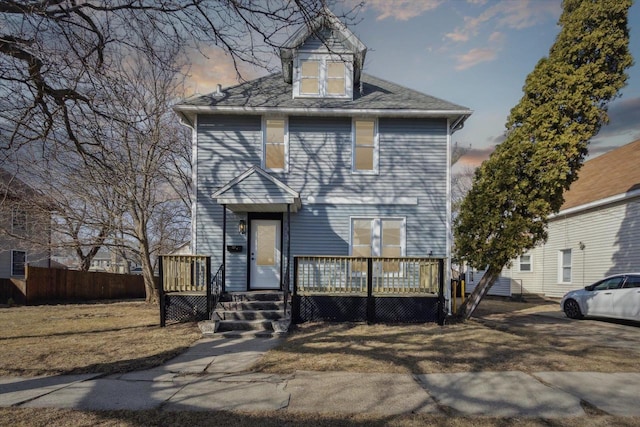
[[476, 53]]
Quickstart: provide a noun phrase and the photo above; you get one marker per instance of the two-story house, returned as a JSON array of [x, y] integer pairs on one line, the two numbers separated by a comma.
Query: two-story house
[[24, 227], [320, 159]]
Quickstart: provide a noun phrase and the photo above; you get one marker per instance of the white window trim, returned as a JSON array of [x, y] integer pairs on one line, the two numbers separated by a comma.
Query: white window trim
[[347, 59], [530, 263], [376, 233], [13, 251], [376, 147], [561, 267], [263, 161]]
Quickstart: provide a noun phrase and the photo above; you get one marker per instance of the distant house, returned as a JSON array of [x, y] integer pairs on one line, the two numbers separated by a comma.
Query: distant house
[[318, 160], [595, 234], [25, 227], [108, 260]]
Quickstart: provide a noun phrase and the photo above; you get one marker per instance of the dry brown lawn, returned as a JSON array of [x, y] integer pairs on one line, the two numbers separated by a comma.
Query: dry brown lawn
[[71, 418], [87, 338], [428, 348]]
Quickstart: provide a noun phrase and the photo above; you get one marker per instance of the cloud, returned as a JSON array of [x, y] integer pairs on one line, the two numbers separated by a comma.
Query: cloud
[[212, 67], [474, 157], [402, 10], [515, 15], [475, 57], [623, 118]]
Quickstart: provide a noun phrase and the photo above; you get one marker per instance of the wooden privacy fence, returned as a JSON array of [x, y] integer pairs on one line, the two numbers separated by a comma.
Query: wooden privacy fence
[[43, 285], [373, 289]]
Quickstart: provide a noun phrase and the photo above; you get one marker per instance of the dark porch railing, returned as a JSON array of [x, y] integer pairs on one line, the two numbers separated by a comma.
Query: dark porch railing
[[373, 289]]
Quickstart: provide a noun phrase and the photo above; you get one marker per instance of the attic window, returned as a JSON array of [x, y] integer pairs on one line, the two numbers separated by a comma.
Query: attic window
[[323, 76]]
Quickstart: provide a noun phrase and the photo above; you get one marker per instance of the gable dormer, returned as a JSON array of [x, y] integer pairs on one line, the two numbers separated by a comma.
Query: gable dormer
[[323, 59]]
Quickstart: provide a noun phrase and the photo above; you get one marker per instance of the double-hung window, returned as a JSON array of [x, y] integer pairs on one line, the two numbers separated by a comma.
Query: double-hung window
[[379, 237], [18, 263], [365, 146], [524, 263], [18, 221], [323, 76], [564, 266], [275, 146]]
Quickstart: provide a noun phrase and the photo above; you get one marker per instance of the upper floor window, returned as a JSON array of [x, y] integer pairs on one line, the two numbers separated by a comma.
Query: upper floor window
[[320, 76], [275, 147], [365, 146], [18, 221]]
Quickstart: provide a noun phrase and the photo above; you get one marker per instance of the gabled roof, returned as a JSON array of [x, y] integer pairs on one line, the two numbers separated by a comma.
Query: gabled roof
[[256, 191], [271, 94], [611, 174], [13, 187], [337, 30]]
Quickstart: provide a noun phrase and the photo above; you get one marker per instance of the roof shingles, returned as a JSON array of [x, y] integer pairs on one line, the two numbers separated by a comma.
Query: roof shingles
[[273, 92], [613, 173]]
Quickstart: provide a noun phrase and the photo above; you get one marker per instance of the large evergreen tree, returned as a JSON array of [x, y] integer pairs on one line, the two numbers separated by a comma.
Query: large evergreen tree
[[564, 105]]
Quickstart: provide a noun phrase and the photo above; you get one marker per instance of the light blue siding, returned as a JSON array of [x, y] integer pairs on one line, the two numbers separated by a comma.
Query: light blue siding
[[412, 164]]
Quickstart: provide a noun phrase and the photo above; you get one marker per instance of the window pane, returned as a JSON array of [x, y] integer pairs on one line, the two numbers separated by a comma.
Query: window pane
[[18, 262], [361, 251], [566, 258], [275, 131], [391, 233], [365, 132], [310, 86], [364, 158], [335, 87], [362, 232], [392, 251], [275, 156], [310, 69], [335, 70], [266, 244], [566, 274]]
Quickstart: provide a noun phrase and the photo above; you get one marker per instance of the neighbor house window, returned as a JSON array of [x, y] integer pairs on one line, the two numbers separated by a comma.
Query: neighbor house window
[[564, 263], [18, 221], [18, 263], [524, 263], [275, 147], [322, 75], [365, 146]]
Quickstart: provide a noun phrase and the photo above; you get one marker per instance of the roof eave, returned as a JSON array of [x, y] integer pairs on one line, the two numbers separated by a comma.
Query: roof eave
[[191, 110]]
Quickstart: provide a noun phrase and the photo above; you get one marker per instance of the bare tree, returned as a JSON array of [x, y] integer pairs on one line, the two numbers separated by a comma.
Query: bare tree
[[54, 55]]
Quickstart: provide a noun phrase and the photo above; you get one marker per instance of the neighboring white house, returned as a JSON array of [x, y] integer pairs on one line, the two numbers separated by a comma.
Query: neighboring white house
[[595, 234], [25, 227]]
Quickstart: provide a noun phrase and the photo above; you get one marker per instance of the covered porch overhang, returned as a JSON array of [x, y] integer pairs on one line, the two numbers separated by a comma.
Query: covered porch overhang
[[255, 191]]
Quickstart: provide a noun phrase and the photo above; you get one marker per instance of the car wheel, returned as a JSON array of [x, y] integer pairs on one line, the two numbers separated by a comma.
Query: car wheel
[[572, 309]]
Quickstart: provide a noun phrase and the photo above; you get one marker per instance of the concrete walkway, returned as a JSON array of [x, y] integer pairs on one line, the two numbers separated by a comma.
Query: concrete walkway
[[213, 375]]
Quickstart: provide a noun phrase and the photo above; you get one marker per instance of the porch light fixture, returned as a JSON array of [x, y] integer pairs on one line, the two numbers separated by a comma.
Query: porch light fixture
[[242, 227]]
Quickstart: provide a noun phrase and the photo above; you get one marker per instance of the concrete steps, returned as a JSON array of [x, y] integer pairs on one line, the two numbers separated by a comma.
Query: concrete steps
[[257, 313]]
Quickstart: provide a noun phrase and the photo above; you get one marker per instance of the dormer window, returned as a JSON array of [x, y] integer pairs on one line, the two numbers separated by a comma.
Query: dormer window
[[323, 76]]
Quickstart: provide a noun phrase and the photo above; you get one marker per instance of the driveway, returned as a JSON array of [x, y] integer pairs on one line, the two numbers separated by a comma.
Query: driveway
[[548, 319]]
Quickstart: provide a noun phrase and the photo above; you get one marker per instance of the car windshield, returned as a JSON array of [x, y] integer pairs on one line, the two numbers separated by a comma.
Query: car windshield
[[610, 283]]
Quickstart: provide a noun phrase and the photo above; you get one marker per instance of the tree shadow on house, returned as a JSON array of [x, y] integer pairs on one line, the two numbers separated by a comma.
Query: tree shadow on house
[[626, 259]]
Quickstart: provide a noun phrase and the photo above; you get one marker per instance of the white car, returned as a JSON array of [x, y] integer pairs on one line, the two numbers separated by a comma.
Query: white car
[[616, 297]]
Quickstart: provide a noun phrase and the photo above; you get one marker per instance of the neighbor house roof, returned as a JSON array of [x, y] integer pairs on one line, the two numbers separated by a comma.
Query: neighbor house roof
[[611, 174], [273, 94]]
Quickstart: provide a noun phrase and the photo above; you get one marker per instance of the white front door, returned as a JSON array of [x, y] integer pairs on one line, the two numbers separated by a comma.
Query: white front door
[[265, 256]]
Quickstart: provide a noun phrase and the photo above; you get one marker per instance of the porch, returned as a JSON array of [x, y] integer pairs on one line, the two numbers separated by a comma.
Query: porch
[[329, 288]]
